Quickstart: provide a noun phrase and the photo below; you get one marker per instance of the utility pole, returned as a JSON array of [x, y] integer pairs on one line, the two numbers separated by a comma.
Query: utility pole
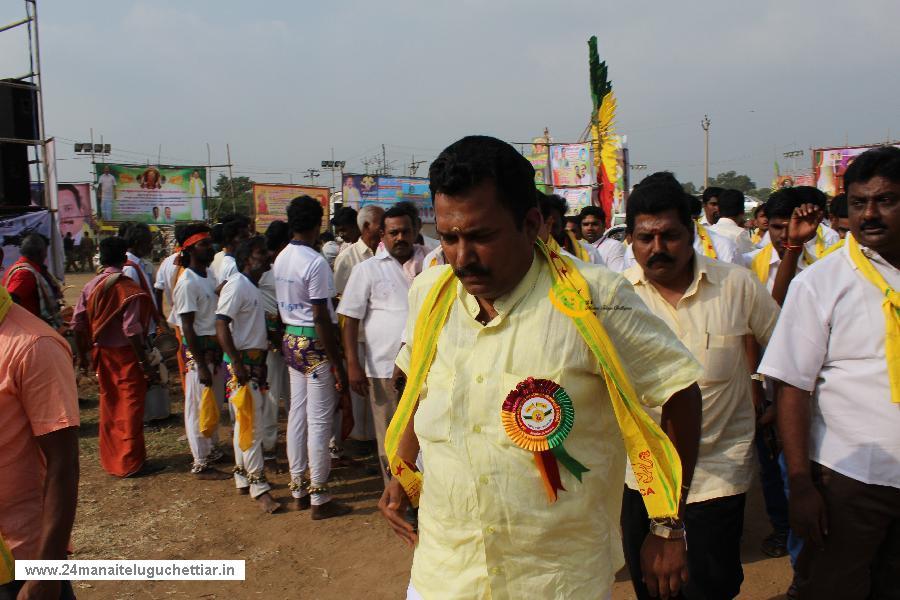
[[208, 178], [311, 174], [414, 165], [705, 125], [384, 167], [230, 178]]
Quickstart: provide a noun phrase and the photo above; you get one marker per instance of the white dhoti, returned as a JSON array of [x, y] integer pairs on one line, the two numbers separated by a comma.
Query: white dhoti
[[279, 389], [249, 469], [313, 402], [201, 446]]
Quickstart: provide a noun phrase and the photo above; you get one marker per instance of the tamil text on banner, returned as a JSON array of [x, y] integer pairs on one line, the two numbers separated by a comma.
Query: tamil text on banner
[[576, 197], [362, 190], [14, 229], [571, 165], [270, 201], [830, 164], [151, 194]]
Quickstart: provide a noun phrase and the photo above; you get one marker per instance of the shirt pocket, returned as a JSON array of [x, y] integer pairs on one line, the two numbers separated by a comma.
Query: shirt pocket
[[508, 383], [723, 356], [432, 421]]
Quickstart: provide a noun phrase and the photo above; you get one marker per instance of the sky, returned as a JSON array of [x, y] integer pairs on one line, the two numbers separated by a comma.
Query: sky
[[284, 82]]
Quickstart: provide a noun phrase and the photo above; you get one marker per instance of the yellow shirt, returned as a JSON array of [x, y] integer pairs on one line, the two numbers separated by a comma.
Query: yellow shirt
[[722, 304], [486, 527]]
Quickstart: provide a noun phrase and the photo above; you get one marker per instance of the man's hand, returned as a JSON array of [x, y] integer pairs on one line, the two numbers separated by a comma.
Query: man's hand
[[345, 405], [40, 590], [359, 383], [664, 565], [240, 373], [803, 224], [204, 374], [399, 380], [393, 505], [808, 516]]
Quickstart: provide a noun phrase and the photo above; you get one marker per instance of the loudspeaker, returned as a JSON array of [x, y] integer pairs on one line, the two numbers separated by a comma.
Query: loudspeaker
[[18, 112], [14, 175]]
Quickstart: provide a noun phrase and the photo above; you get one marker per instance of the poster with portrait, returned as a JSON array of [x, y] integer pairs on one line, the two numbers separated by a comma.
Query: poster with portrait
[[74, 209], [160, 195], [576, 198], [538, 154], [362, 190], [830, 164], [270, 202], [571, 165]]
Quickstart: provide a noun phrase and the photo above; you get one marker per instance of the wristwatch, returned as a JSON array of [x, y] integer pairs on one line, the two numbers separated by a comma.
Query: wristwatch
[[668, 529], [758, 377]]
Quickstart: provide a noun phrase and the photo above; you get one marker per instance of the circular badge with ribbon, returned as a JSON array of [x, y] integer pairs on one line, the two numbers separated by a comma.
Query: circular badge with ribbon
[[538, 415]]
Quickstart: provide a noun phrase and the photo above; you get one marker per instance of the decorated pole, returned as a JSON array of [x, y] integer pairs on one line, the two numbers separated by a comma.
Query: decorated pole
[[602, 128]]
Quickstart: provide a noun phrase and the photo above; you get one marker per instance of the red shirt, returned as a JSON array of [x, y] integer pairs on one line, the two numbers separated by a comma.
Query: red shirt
[[22, 285]]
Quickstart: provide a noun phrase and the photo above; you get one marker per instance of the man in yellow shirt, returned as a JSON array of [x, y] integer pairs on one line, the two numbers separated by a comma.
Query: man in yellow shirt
[[710, 305], [487, 528]]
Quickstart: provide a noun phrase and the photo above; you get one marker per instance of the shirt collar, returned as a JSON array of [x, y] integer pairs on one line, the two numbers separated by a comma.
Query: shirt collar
[[702, 271], [505, 304]]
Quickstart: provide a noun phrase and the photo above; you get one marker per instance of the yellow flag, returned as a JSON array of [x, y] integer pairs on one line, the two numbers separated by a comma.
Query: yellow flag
[[209, 412], [243, 414]]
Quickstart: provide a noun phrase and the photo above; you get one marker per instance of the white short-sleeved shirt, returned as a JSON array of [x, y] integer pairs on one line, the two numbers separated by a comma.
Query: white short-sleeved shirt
[[733, 232], [376, 294], [165, 281], [227, 268], [612, 252], [774, 262], [830, 340], [196, 294], [301, 276], [435, 258], [107, 185], [241, 301], [267, 291]]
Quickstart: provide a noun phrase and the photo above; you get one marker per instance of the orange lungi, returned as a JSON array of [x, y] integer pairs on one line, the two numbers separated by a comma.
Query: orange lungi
[[122, 392]]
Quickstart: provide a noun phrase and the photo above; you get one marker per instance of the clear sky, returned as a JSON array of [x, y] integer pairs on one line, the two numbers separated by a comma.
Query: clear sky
[[283, 82]]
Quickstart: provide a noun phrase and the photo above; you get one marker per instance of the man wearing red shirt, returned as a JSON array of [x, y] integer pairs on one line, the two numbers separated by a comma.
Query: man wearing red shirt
[[30, 283]]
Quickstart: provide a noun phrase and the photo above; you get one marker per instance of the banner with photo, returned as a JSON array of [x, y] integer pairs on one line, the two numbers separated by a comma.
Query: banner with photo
[[576, 198], [270, 202], [362, 190], [830, 164], [538, 155], [14, 229], [571, 165], [158, 195]]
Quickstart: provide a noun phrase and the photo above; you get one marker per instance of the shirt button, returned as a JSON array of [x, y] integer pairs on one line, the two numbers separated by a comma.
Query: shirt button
[[483, 480], [477, 428], [490, 530], [479, 379], [496, 570]]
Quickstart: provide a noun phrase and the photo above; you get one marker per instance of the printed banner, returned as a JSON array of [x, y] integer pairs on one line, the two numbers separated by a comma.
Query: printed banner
[[576, 197], [538, 155], [830, 164], [270, 201], [151, 194], [361, 190], [14, 229], [571, 165]]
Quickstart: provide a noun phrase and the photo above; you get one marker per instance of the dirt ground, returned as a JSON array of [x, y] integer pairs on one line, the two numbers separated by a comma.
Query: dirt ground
[[171, 515]]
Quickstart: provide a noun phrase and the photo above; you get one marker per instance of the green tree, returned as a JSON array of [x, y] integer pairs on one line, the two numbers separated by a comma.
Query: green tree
[[731, 180], [761, 194], [690, 188], [238, 189]]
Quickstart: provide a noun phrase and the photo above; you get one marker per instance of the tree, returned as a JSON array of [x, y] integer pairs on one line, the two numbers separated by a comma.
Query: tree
[[690, 188], [730, 180], [761, 194], [238, 189]]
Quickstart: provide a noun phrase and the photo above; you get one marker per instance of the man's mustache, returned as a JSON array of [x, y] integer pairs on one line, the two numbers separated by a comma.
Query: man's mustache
[[471, 271], [660, 258], [873, 224]]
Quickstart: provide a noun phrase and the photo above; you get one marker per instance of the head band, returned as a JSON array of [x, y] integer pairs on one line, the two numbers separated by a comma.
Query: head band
[[194, 239]]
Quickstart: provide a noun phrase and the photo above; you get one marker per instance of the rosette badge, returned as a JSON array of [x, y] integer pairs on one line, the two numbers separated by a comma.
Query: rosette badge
[[538, 415]]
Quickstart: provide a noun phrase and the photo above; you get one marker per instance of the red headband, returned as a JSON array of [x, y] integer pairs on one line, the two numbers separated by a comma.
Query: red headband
[[194, 239]]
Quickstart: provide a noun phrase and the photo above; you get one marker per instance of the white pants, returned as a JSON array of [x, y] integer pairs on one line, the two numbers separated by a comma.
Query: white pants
[[250, 469], [412, 594], [313, 402], [279, 389], [200, 445]]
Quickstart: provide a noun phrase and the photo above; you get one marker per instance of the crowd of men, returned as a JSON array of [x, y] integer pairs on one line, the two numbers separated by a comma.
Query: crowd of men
[[765, 346]]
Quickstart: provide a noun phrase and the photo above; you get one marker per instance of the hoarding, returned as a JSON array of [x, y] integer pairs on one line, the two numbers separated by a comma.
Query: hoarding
[[151, 194], [571, 165], [538, 155], [830, 164], [576, 198], [384, 191], [270, 202]]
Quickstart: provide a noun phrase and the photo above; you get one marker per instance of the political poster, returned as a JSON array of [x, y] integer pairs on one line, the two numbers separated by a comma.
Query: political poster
[[576, 198], [14, 229], [571, 165], [74, 209], [830, 164], [385, 191], [538, 154], [158, 195], [270, 201]]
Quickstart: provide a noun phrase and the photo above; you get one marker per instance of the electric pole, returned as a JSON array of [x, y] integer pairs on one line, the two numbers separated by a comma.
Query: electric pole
[[230, 178], [414, 165], [705, 125], [311, 174]]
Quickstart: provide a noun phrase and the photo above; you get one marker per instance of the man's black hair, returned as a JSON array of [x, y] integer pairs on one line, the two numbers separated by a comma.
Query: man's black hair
[[656, 198], [136, 232], [811, 195], [246, 248], [412, 211], [574, 219], [345, 217], [695, 206], [477, 159], [883, 161], [593, 211], [216, 234], [304, 214], [112, 251], [781, 203], [326, 236], [760, 209], [666, 177], [231, 229], [398, 211], [278, 235], [549, 203], [124, 226], [33, 246], [731, 203], [711, 192], [839, 207], [178, 234]]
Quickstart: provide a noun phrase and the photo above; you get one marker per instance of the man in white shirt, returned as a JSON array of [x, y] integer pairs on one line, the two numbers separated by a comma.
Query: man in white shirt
[[593, 222], [553, 209], [195, 306], [835, 352], [710, 205], [140, 245], [368, 220], [731, 220], [305, 288], [710, 305], [106, 190], [376, 295], [234, 232], [241, 330], [345, 226]]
